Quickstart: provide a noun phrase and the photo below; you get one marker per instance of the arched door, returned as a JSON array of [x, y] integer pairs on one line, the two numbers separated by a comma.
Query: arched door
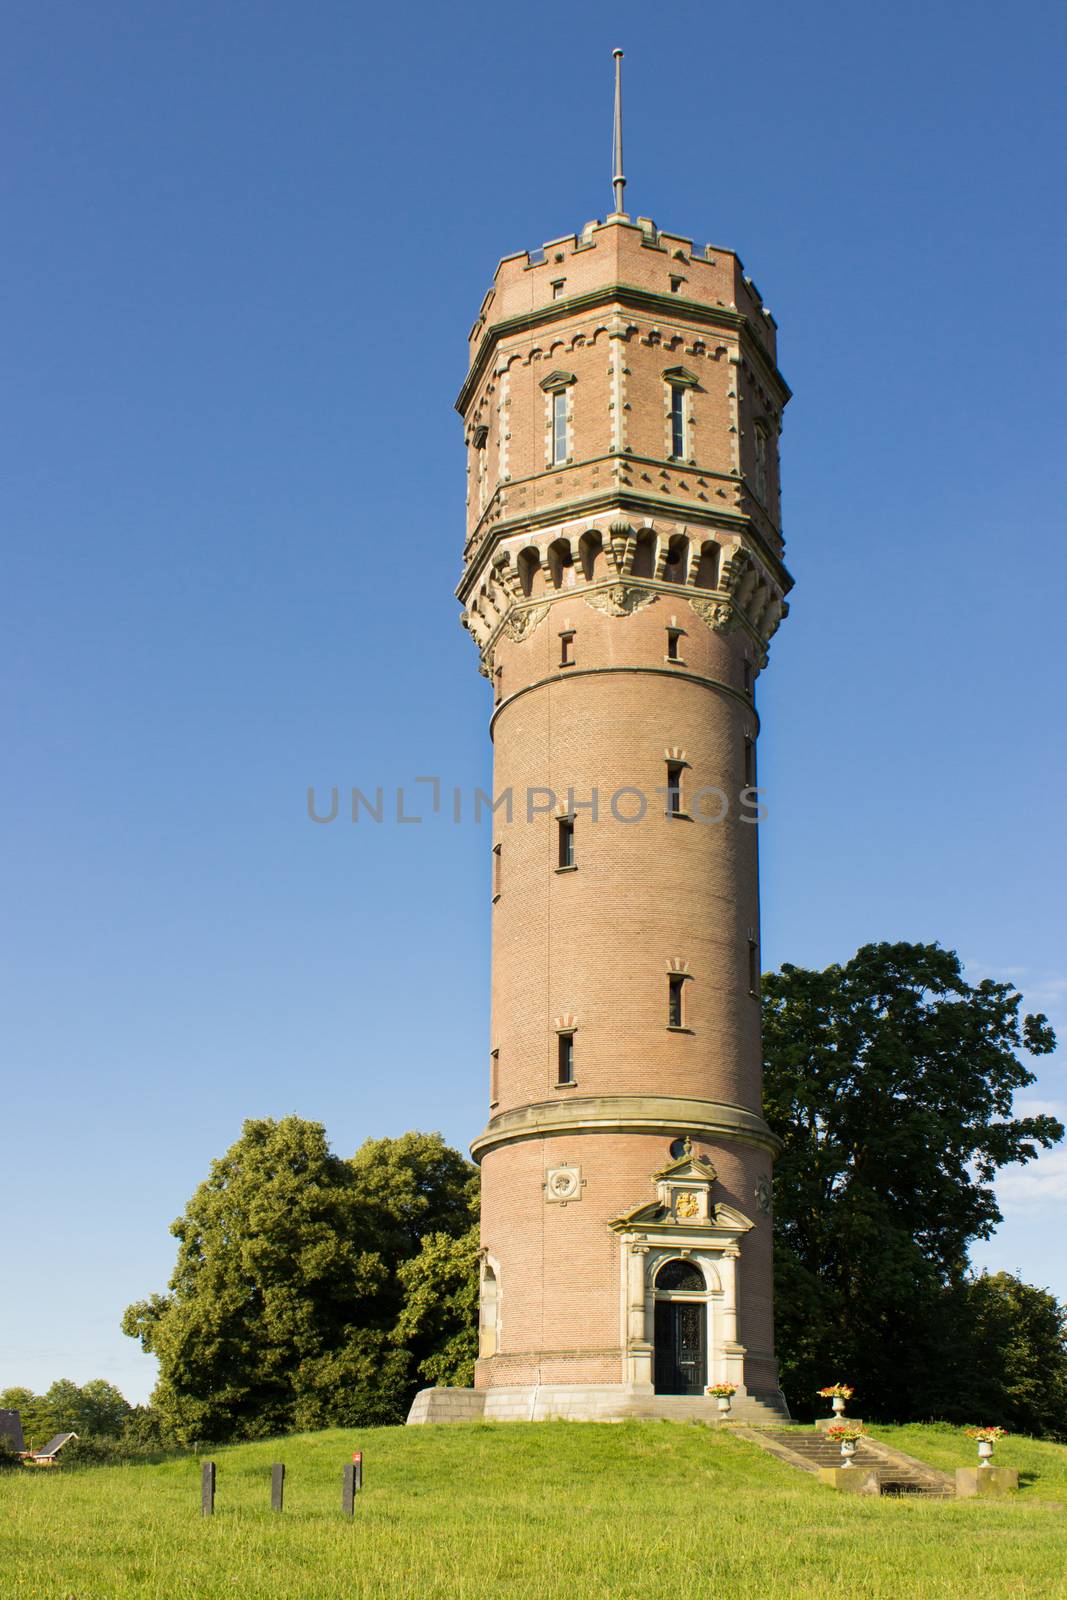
[[680, 1329]]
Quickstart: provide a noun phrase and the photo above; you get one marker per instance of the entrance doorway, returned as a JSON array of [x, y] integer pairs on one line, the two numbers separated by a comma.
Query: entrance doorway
[[680, 1330]]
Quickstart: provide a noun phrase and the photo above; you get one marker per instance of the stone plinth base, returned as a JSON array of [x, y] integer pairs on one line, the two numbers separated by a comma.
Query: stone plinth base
[[822, 1423], [855, 1480], [589, 1403], [971, 1481]]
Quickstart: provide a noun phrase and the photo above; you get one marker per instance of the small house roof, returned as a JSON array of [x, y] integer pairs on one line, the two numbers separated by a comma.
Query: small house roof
[[55, 1445]]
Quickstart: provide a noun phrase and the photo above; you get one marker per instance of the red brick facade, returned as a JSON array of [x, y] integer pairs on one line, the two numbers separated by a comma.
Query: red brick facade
[[623, 577]]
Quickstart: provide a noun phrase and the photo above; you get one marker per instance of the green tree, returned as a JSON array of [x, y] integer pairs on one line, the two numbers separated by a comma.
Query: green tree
[[415, 1184], [282, 1303], [92, 1410], [890, 1080], [95, 1410], [439, 1320], [1010, 1357]]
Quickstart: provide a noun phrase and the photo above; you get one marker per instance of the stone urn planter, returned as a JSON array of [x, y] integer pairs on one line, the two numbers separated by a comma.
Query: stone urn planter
[[723, 1394], [847, 1435], [837, 1394], [986, 1438]]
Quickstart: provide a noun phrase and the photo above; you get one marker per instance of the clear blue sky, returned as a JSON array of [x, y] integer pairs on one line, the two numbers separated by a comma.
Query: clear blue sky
[[243, 247]]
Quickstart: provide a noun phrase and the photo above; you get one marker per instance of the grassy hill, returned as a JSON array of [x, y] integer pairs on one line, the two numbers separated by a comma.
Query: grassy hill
[[534, 1512]]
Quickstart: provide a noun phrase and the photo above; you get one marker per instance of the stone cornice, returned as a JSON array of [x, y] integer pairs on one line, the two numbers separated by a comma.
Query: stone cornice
[[634, 298], [745, 595], [637, 503], [624, 1113]]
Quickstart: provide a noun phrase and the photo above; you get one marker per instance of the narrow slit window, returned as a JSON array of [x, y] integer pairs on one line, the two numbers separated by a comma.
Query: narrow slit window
[[677, 420], [761, 461], [566, 842], [565, 1059], [673, 646], [566, 649], [498, 685], [674, 788], [494, 1077], [748, 677], [559, 427], [750, 764], [675, 1003], [753, 967], [497, 849]]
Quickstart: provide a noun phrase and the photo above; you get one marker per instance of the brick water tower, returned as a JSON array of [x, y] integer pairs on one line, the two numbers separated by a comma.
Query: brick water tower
[[622, 579]]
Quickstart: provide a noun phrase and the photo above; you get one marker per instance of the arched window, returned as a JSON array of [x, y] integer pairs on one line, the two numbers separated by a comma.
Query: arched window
[[529, 567], [677, 568], [489, 1319], [589, 548], [708, 567], [681, 1275], [645, 555], [561, 562]]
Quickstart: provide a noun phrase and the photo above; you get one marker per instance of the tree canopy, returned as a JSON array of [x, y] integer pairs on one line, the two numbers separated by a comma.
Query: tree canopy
[[282, 1305], [96, 1408], [890, 1079]]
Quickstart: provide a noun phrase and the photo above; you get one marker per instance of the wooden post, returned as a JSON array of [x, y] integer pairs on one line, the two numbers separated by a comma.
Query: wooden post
[[277, 1485], [207, 1489], [348, 1490], [357, 1462]]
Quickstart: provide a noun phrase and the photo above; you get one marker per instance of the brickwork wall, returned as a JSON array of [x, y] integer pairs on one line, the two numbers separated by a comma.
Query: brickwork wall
[[588, 949], [559, 1307], [595, 943]]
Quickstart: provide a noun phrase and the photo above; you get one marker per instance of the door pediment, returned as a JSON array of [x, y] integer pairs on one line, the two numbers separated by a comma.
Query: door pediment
[[685, 1204]]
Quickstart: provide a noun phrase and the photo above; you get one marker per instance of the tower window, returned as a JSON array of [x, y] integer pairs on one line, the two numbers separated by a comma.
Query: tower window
[[675, 1003], [676, 285], [750, 764], [565, 1059], [761, 461], [749, 685], [677, 421], [497, 849], [565, 826], [557, 288], [673, 647], [753, 967], [559, 427], [674, 788], [494, 1077], [566, 648], [498, 685]]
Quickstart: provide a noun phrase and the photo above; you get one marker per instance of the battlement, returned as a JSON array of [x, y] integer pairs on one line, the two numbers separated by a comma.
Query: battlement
[[620, 252]]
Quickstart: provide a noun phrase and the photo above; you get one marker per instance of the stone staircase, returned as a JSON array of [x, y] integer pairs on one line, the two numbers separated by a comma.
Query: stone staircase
[[898, 1474], [753, 1411]]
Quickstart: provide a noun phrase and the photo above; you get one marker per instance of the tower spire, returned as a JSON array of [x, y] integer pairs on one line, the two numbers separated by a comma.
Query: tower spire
[[618, 182]]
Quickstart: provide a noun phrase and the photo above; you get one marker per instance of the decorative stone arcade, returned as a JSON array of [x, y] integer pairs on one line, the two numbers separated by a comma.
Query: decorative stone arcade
[[622, 579]]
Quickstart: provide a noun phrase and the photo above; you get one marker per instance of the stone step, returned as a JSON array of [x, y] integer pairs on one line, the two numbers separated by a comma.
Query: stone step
[[899, 1474]]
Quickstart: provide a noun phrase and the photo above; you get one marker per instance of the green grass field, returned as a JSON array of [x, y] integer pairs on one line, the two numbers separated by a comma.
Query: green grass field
[[582, 1511]]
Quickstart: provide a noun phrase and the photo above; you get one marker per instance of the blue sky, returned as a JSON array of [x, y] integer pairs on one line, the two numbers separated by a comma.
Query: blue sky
[[244, 245]]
